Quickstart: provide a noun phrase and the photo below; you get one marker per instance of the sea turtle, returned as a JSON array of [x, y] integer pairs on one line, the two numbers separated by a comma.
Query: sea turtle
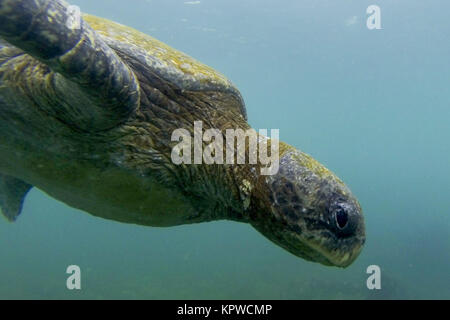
[[87, 112]]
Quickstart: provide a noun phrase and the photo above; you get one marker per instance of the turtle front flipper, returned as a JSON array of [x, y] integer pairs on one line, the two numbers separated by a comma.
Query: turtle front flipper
[[41, 29], [12, 194]]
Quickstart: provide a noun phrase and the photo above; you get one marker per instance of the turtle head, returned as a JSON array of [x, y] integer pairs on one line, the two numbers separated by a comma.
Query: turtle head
[[312, 214]]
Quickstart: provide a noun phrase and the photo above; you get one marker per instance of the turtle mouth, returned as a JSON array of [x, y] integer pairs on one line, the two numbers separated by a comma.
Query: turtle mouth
[[323, 247], [326, 251], [342, 256], [340, 259]]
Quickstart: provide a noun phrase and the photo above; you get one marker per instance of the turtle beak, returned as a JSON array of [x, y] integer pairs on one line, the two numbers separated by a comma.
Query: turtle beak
[[342, 258]]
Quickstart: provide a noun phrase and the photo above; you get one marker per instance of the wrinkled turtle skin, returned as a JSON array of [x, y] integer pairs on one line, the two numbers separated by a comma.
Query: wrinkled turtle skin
[[86, 115]]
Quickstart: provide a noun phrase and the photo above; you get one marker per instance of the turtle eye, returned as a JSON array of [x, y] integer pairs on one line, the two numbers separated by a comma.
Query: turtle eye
[[341, 217]]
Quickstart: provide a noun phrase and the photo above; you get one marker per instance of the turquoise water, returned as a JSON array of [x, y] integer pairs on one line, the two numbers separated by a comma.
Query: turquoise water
[[372, 105]]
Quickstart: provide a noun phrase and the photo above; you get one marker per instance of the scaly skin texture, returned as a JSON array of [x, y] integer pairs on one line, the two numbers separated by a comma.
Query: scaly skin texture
[[112, 157]]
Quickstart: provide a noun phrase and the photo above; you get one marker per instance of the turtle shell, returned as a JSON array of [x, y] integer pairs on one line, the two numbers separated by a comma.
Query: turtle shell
[[168, 63]]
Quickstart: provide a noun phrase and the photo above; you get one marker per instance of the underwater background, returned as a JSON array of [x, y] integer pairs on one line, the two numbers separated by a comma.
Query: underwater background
[[371, 105]]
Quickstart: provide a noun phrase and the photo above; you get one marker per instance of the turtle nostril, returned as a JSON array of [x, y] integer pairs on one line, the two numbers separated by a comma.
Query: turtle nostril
[[341, 218]]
